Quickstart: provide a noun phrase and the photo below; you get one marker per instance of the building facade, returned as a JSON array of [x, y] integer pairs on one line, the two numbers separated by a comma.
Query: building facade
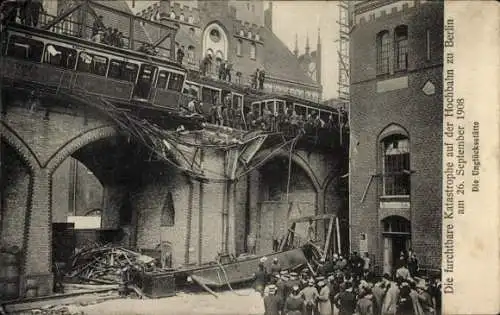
[[238, 32], [396, 130]]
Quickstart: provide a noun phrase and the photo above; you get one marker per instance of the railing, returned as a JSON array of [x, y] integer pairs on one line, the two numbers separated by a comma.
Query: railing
[[271, 84], [71, 27]]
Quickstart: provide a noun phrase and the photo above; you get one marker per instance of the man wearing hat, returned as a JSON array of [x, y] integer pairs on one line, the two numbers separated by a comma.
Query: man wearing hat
[[346, 299], [272, 302], [275, 267], [294, 279], [364, 306], [294, 302], [424, 298], [280, 287], [310, 295], [324, 305]]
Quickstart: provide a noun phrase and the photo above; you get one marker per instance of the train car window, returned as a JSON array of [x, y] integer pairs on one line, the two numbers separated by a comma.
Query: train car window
[[92, 63], [300, 110], [280, 107], [122, 70], [270, 106], [176, 81], [209, 96], [192, 90], [25, 48], [161, 83], [324, 115], [256, 107], [237, 101], [60, 56]]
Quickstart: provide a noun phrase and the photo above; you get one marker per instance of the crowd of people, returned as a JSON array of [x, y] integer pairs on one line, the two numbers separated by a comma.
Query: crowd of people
[[288, 121], [258, 78], [348, 286], [25, 12], [107, 35]]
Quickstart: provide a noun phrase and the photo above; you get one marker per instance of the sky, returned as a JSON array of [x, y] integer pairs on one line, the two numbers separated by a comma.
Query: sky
[[303, 18]]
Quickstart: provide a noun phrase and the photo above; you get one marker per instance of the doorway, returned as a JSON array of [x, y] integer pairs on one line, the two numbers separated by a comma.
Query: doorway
[[144, 82], [397, 240]]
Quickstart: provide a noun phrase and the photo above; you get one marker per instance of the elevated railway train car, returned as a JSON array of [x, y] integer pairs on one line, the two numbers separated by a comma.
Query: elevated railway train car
[[66, 62]]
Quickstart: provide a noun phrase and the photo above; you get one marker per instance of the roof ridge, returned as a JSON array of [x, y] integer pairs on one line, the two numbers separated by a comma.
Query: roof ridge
[[290, 54]]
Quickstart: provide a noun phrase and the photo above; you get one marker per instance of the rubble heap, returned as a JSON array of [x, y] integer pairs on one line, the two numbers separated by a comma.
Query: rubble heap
[[106, 264]]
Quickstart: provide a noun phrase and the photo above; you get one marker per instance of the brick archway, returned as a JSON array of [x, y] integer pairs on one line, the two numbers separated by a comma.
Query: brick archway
[[27, 155], [265, 156], [77, 143]]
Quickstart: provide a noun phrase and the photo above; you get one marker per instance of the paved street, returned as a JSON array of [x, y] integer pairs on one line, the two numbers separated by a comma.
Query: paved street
[[244, 302]]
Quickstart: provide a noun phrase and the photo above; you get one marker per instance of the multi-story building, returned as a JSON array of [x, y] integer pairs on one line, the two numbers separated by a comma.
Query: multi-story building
[[396, 130]]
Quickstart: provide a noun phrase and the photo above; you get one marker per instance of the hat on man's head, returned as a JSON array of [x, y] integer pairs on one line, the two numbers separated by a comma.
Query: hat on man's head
[[321, 283], [311, 282], [293, 274], [284, 272]]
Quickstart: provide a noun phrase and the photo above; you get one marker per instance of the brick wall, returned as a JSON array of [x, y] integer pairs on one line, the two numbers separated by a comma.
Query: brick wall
[[14, 204], [408, 107]]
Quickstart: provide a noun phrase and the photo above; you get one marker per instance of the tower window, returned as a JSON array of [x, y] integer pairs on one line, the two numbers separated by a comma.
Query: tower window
[[396, 165], [239, 45], [253, 51], [401, 48], [383, 51]]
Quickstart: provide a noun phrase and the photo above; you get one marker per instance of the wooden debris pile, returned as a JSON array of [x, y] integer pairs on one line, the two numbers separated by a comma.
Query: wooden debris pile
[[107, 264]]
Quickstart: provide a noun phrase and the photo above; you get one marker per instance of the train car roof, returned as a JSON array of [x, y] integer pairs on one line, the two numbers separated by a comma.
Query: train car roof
[[127, 53], [290, 98], [216, 84]]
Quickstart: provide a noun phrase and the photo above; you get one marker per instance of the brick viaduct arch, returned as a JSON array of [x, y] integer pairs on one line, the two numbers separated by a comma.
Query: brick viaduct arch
[[268, 155]]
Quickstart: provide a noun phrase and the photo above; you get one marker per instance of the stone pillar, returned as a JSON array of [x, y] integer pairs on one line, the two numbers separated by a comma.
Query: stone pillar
[[200, 222], [189, 215], [322, 225], [38, 247], [113, 197]]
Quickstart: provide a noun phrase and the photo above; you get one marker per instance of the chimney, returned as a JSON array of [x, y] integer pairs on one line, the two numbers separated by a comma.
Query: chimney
[[268, 17]]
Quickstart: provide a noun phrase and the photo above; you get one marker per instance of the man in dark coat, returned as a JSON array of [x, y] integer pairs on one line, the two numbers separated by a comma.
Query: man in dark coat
[[180, 54], [272, 303], [346, 300]]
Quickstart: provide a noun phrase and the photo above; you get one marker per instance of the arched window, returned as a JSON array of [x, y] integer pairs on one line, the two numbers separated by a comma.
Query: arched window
[[401, 48], [168, 211], [215, 38], [249, 34], [239, 45], [190, 54], [396, 165], [383, 52], [190, 19], [242, 33], [253, 51]]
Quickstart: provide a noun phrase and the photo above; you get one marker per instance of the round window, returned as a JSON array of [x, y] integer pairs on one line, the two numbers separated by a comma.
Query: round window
[[215, 35]]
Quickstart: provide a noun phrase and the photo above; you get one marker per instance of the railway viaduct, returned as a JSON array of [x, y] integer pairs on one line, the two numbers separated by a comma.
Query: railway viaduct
[[209, 216]]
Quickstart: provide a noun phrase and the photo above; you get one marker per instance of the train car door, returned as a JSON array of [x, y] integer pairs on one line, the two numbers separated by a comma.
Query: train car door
[[144, 81]]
